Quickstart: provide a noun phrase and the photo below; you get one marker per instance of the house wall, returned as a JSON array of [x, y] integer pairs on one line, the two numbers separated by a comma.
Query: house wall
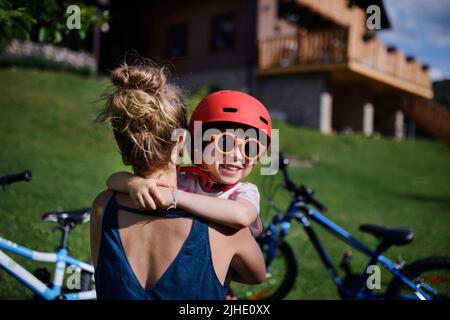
[[297, 97], [235, 78], [350, 111], [348, 107], [198, 15], [228, 69], [128, 31], [268, 23], [386, 112]]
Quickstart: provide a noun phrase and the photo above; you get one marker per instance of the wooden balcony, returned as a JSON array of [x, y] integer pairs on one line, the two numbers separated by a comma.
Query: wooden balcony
[[303, 48], [324, 50]]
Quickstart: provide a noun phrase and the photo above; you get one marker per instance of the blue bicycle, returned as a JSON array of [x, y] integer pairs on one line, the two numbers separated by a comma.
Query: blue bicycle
[[81, 284], [426, 279]]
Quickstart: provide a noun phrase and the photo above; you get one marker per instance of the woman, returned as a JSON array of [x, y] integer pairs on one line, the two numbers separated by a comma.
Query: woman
[[159, 254]]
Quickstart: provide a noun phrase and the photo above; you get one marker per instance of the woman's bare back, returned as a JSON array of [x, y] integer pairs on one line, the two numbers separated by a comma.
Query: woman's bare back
[[151, 243]]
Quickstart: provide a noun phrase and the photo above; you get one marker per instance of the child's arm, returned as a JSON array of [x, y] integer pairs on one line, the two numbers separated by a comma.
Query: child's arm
[[238, 214], [149, 193], [119, 181], [142, 191]]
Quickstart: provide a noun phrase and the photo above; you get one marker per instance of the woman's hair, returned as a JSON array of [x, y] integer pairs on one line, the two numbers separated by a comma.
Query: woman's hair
[[143, 110]]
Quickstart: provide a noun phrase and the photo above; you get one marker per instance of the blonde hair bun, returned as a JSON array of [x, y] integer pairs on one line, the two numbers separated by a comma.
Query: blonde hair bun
[[148, 79], [144, 110]]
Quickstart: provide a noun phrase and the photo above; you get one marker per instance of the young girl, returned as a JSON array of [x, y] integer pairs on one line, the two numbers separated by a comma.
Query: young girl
[[214, 189]]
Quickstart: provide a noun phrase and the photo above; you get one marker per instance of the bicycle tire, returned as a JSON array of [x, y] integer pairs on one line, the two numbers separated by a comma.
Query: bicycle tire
[[288, 282], [291, 275], [86, 283], [415, 270]]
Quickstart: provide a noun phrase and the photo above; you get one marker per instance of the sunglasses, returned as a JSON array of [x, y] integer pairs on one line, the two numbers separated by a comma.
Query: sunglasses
[[251, 148]]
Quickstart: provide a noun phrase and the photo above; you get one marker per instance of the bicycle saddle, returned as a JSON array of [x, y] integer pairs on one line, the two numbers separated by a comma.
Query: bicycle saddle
[[394, 236], [73, 216]]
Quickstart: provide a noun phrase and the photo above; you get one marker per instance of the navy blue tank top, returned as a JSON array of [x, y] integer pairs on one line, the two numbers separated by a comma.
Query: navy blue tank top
[[191, 276]]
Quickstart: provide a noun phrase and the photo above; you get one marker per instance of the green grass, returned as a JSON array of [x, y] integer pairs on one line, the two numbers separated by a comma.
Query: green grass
[[363, 180], [46, 125]]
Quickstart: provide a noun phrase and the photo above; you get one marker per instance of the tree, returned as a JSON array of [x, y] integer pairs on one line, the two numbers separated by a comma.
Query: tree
[[46, 21], [14, 23]]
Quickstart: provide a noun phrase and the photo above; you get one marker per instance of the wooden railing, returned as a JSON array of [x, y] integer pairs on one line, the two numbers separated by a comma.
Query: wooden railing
[[332, 46], [389, 66], [303, 47], [430, 116], [375, 54]]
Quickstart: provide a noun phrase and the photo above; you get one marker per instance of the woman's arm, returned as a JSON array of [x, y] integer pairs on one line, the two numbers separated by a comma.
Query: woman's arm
[[96, 220], [247, 265]]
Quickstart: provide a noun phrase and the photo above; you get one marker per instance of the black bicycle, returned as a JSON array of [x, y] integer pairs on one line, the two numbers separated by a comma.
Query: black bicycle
[[426, 279]]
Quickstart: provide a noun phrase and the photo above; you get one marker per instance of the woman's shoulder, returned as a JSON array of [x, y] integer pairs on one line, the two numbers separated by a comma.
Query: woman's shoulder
[[221, 229], [99, 204], [228, 241], [227, 235]]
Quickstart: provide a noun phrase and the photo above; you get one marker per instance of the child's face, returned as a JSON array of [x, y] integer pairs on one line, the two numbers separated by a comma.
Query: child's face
[[230, 158], [231, 171]]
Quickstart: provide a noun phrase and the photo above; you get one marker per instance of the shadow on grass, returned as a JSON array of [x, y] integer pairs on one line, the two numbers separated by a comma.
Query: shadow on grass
[[440, 201]]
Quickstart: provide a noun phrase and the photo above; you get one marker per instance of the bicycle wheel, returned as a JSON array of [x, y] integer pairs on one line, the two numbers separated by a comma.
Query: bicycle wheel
[[434, 272], [86, 281], [280, 278]]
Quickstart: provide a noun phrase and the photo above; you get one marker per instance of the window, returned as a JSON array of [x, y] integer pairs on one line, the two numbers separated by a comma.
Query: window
[[223, 32], [177, 40]]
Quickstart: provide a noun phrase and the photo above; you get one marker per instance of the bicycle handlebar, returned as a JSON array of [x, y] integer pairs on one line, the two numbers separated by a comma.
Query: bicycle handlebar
[[17, 177], [306, 193]]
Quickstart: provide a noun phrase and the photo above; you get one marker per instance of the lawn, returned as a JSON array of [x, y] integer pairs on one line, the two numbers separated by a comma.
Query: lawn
[[46, 125]]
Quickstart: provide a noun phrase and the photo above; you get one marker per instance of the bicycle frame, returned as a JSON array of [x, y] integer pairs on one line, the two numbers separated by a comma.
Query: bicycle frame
[[299, 211], [60, 258]]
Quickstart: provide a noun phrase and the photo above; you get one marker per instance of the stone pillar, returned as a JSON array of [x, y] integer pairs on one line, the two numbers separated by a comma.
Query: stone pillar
[[368, 119], [326, 109], [399, 125]]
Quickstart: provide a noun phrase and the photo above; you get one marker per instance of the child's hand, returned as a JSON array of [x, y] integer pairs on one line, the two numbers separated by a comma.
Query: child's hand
[[146, 194]]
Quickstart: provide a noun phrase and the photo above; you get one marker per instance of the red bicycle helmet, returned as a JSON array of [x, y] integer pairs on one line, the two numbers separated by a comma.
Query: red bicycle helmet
[[232, 106]]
